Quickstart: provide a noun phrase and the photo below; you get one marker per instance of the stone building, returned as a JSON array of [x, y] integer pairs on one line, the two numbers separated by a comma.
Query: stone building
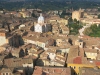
[[41, 26], [3, 37], [76, 15]]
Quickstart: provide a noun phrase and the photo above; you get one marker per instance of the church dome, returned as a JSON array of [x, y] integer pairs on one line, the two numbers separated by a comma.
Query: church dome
[[41, 19]]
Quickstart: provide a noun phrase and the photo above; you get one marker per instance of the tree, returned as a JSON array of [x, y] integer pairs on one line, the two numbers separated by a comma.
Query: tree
[[75, 20], [63, 14], [74, 26], [33, 15], [99, 16], [70, 19], [93, 27], [87, 31]]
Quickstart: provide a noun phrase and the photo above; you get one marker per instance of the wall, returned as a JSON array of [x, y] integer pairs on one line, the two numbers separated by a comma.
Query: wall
[[3, 40], [76, 67], [91, 55]]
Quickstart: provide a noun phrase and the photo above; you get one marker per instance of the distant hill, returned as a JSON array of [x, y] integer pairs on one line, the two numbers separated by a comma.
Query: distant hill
[[46, 5], [13, 0], [68, 0], [49, 0], [16, 0]]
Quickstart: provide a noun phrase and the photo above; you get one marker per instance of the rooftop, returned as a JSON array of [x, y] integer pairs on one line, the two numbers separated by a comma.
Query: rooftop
[[51, 71], [90, 71]]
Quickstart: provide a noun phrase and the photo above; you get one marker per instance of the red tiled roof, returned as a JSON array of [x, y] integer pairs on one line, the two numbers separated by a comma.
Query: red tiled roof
[[58, 70], [77, 60], [38, 71], [51, 71], [97, 63]]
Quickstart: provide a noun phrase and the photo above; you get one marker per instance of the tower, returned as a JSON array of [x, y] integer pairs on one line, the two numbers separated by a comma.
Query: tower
[[38, 26], [3, 37], [41, 19], [80, 43], [41, 26], [76, 15]]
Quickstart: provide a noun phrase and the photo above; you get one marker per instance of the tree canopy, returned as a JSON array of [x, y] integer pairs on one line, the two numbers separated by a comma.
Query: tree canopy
[[93, 30], [74, 26], [87, 31], [99, 16]]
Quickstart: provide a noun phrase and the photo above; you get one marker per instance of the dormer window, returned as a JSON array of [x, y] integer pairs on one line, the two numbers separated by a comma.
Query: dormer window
[[5, 73], [92, 47], [80, 43]]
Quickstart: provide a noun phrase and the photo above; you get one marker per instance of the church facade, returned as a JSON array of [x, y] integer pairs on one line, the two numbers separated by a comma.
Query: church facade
[[41, 26]]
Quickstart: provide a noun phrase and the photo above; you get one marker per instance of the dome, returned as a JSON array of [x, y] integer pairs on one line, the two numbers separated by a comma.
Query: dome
[[41, 19]]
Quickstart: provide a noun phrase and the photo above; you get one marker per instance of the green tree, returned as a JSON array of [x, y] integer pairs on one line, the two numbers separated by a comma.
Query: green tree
[[75, 20], [70, 19], [74, 26], [94, 27], [87, 31], [98, 9], [99, 16], [33, 15]]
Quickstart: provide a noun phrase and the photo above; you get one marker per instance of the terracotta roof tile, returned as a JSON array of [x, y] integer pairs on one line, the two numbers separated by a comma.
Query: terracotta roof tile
[[58, 70], [77, 60], [51, 71]]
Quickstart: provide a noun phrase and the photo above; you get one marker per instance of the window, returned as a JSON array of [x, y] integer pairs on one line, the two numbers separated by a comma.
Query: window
[[6, 73], [9, 73], [74, 73], [74, 67], [3, 74]]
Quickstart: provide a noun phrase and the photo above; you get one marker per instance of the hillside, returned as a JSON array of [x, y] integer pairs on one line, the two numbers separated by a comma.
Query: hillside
[[47, 4]]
